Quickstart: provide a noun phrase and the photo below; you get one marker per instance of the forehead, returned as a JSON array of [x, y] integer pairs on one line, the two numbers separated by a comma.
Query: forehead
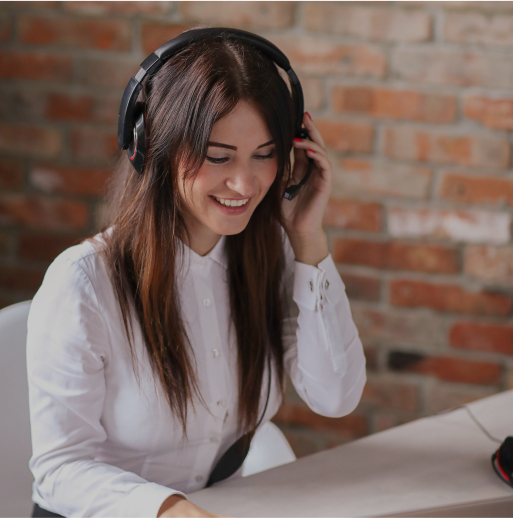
[[244, 125]]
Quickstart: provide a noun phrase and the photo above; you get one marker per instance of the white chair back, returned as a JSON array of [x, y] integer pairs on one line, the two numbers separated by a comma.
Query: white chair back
[[15, 443]]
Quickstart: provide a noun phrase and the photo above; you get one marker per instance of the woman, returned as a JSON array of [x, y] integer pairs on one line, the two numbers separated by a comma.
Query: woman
[[148, 343]]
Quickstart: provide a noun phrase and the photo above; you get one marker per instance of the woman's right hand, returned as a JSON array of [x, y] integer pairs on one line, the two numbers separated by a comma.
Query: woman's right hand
[[177, 506]]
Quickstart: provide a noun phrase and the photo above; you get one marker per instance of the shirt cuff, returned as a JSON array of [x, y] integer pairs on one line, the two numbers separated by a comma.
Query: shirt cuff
[[146, 500], [314, 285]]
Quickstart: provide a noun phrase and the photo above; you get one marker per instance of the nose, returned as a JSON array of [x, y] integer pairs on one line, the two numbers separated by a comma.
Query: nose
[[242, 181]]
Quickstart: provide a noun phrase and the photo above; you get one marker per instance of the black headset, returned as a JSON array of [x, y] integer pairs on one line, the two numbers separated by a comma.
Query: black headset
[[132, 130]]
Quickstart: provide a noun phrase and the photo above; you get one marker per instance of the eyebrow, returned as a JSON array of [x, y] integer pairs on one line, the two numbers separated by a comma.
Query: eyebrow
[[219, 144]]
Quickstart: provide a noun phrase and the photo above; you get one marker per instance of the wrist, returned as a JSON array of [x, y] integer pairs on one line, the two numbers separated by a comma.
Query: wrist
[[310, 249], [168, 503]]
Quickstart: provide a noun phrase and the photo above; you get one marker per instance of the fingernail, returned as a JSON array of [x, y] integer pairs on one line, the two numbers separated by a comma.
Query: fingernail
[[309, 115], [298, 139], [311, 150]]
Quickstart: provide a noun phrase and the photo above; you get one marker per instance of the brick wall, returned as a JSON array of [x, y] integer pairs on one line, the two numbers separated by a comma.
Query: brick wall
[[415, 104]]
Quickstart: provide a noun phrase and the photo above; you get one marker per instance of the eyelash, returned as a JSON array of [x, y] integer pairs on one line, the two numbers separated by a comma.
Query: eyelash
[[223, 160]]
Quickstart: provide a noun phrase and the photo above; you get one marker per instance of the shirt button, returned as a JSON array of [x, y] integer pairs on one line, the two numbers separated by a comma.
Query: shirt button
[[203, 263], [222, 402], [311, 285], [199, 478], [327, 284], [206, 302], [321, 306], [215, 353]]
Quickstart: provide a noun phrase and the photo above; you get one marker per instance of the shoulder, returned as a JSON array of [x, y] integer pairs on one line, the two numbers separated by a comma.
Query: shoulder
[[79, 268]]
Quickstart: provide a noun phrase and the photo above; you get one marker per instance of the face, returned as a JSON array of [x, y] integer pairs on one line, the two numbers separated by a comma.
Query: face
[[240, 167]]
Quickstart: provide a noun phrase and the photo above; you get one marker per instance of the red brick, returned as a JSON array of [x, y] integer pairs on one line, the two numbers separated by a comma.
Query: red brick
[[352, 425], [447, 297], [64, 107], [29, 140], [261, 15], [44, 247], [493, 113], [388, 103], [370, 22], [440, 398], [313, 91], [73, 180], [464, 188], [362, 288], [39, 67], [42, 212], [490, 263], [394, 328], [5, 27], [346, 136], [75, 32], [389, 394], [477, 28], [458, 225], [406, 142], [315, 55], [451, 66], [6, 243], [374, 177], [486, 6], [107, 73], [128, 8], [447, 368], [394, 255], [23, 6], [155, 34], [483, 337], [11, 173], [94, 145], [353, 214], [20, 278]]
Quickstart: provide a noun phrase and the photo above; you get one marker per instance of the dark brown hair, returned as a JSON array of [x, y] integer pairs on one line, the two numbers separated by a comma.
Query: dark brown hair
[[193, 90]]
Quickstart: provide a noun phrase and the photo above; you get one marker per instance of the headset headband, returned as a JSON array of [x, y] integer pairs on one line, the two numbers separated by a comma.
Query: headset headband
[[126, 118]]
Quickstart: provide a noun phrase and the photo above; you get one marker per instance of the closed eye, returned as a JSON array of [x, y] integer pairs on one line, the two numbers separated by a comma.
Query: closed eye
[[224, 159]]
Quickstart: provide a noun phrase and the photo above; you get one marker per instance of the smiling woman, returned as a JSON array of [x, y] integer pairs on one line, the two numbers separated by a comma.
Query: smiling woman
[[153, 345]]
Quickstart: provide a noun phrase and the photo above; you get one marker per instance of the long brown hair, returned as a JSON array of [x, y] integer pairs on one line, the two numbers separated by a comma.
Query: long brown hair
[[194, 89]]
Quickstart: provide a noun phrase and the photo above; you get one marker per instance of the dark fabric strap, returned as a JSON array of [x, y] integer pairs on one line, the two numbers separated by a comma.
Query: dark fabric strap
[[43, 513]]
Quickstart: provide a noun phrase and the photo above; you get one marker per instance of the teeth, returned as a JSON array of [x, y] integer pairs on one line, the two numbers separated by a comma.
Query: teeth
[[232, 203]]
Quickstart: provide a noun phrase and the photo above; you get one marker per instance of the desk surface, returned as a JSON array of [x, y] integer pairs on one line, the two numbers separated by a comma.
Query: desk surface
[[436, 462]]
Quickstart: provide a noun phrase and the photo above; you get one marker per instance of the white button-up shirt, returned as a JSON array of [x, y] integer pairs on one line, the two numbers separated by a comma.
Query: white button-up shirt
[[102, 445]]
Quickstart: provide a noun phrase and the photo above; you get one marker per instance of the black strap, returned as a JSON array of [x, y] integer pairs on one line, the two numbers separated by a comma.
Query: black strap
[[39, 512]]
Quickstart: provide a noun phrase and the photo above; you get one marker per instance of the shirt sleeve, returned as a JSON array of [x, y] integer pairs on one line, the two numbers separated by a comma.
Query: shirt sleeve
[[323, 351], [66, 347]]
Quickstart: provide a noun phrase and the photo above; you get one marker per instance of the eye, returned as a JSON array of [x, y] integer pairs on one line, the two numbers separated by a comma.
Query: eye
[[265, 157], [216, 160]]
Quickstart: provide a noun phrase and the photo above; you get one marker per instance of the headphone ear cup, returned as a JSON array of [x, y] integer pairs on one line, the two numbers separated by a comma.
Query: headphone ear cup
[[138, 146]]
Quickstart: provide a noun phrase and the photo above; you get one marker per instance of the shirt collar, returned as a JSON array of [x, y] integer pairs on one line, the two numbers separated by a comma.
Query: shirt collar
[[217, 254]]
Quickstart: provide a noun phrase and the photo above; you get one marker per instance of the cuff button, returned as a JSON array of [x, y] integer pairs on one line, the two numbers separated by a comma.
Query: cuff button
[[311, 285], [327, 284]]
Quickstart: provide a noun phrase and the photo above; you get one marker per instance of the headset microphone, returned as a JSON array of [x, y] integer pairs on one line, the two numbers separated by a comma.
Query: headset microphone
[[132, 132]]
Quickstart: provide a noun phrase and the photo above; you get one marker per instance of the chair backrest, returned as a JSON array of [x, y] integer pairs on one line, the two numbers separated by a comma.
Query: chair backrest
[[15, 442], [269, 448]]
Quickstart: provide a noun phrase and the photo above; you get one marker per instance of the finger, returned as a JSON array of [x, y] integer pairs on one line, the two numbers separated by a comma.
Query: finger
[[308, 144], [314, 133], [321, 160]]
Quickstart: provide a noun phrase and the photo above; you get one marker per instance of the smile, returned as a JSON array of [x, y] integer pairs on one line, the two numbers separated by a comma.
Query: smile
[[231, 203]]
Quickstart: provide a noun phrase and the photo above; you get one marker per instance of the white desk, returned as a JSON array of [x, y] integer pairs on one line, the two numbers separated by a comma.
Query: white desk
[[436, 466]]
